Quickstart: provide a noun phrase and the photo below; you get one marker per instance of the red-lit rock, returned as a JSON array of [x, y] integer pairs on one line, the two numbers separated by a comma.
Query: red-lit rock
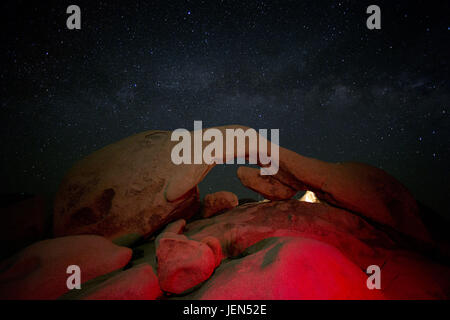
[[132, 187], [216, 248], [218, 202], [358, 187], [288, 268], [248, 224], [137, 283], [183, 263], [39, 271]]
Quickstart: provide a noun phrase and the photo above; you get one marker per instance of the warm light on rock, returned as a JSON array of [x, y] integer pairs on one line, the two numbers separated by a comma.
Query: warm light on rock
[[310, 196]]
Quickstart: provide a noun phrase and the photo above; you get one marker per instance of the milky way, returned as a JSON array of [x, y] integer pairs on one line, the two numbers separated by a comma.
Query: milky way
[[336, 90]]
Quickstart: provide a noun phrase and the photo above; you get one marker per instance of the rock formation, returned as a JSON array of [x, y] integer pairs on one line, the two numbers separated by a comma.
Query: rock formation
[[280, 248], [133, 187], [288, 268], [40, 270]]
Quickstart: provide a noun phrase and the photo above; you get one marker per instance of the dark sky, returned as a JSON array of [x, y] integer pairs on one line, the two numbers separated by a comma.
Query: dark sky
[[336, 90]]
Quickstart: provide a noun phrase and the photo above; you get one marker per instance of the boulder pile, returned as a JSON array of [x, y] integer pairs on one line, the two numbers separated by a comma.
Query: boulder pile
[[133, 222]]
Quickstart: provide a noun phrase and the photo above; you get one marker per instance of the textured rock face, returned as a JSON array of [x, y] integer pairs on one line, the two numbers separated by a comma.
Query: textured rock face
[[248, 224], [122, 189], [405, 274], [183, 263], [39, 271], [267, 250], [288, 268], [358, 187], [218, 202], [138, 283]]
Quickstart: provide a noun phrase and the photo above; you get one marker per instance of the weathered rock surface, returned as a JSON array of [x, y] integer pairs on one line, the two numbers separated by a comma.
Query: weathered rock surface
[[405, 274], [357, 187], [216, 248], [273, 250], [183, 263], [287, 268], [122, 189], [137, 283], [40, 270], [217, 202], [248, 224]]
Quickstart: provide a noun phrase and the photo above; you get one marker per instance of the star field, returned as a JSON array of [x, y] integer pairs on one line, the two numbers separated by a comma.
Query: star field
[[336, 90]]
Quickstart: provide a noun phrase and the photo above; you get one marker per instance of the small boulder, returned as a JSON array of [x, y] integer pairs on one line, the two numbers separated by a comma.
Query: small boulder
[[215, 203], [40, 270], [183, 263]]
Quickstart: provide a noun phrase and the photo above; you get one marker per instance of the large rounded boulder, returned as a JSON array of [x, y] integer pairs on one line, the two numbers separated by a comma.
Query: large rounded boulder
[[122, 189]]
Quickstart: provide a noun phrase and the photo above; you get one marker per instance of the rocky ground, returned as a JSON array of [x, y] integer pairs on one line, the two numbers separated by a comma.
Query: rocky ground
[[134, 224]]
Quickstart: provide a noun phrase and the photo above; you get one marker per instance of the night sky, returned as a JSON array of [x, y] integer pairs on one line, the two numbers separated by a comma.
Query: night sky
[[336, 90]]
